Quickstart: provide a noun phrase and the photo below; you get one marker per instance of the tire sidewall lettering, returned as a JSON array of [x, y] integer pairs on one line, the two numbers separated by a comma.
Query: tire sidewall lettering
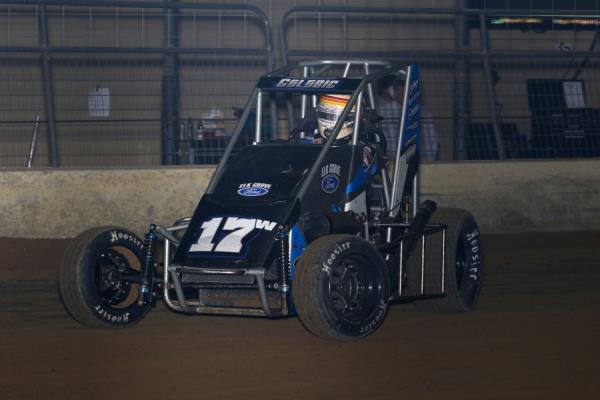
[[473, 257], [379, 316], [339, 250], [112, 316], [118, 236], [473, 266]]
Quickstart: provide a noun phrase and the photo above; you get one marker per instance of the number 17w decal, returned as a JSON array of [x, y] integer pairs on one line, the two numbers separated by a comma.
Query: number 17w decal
[[238, 228]]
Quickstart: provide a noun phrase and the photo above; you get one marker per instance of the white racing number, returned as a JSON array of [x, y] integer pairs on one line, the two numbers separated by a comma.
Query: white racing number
[[232, 242]]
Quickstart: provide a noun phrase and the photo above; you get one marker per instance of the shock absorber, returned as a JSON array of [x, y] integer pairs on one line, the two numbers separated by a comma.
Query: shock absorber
[[148, 268], [284, 260]]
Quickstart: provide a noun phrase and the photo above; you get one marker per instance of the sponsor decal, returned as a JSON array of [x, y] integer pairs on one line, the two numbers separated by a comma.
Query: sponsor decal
[[412, 111], [121, 319], [475, 267], [378, 317], [330, 183], [254, 189], [330, 178], [326, 266], [308, 83], [119, 235], [226, 234], [414, 85]]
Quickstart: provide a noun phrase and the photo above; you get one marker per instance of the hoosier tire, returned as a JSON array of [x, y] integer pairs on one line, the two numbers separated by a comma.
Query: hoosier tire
[[341, 288], [464, 262], [90, 278]]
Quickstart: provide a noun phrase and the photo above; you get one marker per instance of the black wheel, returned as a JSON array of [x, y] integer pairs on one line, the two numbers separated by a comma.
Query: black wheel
[[341, 288], [464, 262], [91, 278]]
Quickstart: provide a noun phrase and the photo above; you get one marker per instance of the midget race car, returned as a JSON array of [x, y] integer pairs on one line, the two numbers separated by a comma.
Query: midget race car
[[305, 223]]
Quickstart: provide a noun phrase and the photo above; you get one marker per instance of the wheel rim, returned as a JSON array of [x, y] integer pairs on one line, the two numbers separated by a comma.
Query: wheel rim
[[354, 288], [113, 291]]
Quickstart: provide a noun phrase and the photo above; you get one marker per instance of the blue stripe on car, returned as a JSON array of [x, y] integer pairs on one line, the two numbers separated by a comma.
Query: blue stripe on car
[[361, 177], [298, 244]]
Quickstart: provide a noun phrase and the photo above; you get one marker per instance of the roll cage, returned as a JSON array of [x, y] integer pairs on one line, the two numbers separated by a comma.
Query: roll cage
[[357, 80]]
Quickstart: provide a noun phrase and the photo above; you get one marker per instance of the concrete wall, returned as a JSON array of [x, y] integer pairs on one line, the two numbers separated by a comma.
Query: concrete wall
[[61, 203], [505, 197], [525, 196]]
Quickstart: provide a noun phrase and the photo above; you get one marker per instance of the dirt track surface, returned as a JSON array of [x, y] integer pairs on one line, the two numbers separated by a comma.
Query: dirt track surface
[[534, 335]]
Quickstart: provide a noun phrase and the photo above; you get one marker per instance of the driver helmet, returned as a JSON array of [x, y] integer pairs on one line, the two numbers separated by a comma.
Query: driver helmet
[[329, 109]]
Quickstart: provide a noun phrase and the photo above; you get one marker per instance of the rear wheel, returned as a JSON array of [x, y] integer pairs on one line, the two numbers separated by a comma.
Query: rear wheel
[[463, 259], [97, 278], [341, 288]]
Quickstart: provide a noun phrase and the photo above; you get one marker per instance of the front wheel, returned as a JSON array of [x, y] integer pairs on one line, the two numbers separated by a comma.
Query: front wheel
[[97, 278], [341, 288]]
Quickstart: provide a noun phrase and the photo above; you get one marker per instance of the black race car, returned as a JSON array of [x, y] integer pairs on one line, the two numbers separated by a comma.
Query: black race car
[[308, 224]]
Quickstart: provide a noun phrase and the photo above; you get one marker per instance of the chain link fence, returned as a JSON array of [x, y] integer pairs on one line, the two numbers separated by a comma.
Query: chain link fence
[[132, 83], [102, 83], [497, 84]]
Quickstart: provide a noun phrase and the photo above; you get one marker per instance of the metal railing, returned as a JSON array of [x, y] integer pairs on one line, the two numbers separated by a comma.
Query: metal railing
[[124, 82], [478, 79], [99, 83]]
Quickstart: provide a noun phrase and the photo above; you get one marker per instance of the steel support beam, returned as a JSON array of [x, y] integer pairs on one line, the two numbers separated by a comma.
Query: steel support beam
[[170, 101], [487, 66], [53, 160], [461, 84]]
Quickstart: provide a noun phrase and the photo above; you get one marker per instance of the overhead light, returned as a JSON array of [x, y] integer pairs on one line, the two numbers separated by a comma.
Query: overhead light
[[517, 20], [540, 20], [577, 21]]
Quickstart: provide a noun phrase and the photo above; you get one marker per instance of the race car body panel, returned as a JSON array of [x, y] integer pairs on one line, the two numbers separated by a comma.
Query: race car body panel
[[255, 202]]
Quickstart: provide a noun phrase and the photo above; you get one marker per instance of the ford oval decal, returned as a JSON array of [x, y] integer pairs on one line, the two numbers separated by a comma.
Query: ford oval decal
[[330, 183], [253, 191]]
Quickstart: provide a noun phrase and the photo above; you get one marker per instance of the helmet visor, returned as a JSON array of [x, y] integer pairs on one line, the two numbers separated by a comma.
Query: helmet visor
[[330, 108]]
